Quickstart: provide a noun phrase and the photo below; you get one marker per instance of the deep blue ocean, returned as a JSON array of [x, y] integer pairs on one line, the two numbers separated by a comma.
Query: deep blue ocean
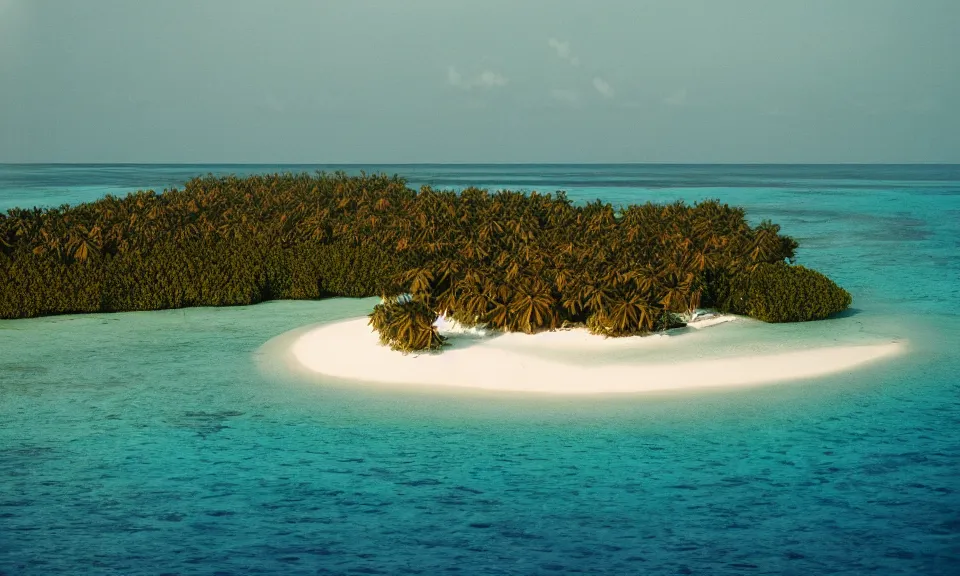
[[153, 443]]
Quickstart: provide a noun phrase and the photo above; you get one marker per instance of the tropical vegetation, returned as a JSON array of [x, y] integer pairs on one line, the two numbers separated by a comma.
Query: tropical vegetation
[[781, 293], [508, 260]]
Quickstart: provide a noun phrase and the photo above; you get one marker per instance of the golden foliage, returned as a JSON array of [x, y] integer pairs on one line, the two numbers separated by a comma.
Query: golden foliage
[[513, 261]]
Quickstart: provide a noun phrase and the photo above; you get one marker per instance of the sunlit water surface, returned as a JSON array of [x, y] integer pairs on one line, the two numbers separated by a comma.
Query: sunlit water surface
[[148, 443]]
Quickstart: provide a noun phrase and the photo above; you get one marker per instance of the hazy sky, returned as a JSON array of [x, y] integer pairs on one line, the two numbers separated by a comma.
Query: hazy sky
[[479, 81]]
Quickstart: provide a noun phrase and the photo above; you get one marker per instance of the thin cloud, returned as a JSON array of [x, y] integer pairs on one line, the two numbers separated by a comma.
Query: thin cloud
[[603, 87], [563, 51], [490, 79], [487, 79]]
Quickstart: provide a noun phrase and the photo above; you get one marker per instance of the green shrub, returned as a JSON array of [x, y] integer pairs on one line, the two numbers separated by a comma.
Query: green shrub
[[668, 321], [357, 271], [601, 324], [39, 284], [406, 325], [782, 293], [304, 271]]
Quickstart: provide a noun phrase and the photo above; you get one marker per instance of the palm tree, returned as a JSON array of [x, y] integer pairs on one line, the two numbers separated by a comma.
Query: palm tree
[[532, 306], [519, 261]]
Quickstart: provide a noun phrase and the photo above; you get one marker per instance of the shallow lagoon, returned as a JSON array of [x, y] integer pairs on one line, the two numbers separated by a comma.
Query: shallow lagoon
[[144, 443]]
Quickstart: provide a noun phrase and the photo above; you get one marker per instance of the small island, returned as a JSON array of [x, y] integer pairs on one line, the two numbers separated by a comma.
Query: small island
[[453, 270], [508, 260]]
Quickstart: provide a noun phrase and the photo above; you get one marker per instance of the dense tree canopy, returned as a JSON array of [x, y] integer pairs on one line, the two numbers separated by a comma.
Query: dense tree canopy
[[509, 260]]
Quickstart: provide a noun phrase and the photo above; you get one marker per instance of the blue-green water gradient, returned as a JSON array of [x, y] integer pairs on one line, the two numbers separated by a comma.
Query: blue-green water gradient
[[149, 443]]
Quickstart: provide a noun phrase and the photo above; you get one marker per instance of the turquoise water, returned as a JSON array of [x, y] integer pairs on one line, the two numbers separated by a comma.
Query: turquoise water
[[148, 443]]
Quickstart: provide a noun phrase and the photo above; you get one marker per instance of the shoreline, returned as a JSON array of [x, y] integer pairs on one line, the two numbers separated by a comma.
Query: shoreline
[[562, 362]]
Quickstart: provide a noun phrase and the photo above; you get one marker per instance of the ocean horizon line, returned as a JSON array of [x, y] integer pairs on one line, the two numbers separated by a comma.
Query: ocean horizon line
[[484, 164]]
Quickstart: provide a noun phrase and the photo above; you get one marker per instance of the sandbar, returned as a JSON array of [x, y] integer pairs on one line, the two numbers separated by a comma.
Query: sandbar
[[561, 362]]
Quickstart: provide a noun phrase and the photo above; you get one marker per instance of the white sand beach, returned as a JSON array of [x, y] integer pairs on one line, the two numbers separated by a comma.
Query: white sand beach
[[564, 362]]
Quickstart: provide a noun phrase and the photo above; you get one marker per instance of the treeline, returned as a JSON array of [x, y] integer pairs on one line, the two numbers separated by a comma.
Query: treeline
[[513, 261]]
